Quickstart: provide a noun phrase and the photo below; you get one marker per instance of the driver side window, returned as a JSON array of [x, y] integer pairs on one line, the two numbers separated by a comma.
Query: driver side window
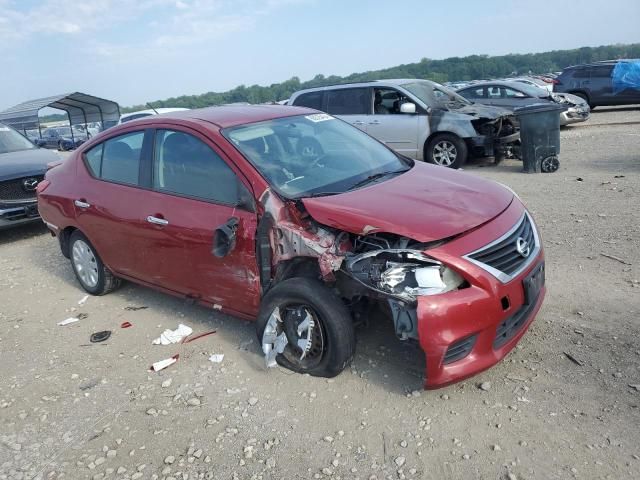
[[387, 101], [184, 165]]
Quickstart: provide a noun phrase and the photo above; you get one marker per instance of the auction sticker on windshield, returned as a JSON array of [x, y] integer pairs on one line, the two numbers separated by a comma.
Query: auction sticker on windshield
[[319, 117]]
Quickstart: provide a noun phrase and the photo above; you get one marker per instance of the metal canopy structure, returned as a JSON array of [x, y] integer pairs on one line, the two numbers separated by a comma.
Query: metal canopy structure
[[80, 107]]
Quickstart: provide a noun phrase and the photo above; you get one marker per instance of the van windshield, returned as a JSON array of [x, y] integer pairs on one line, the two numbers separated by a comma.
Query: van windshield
[[436, 96], [12, 141], [314, 155]]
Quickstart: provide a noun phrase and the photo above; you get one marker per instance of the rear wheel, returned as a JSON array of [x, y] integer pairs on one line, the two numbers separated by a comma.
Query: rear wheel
[[61, 146], [446, 150], [305, 327], [94, 277]]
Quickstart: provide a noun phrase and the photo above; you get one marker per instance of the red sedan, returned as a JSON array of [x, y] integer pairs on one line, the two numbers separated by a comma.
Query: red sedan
[[301, 221]]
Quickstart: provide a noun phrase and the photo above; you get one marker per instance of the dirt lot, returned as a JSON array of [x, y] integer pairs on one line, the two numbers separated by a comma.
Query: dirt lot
[[70, 409]]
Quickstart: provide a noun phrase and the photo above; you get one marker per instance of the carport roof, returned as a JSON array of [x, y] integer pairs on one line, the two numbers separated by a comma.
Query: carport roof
[[80, 107]]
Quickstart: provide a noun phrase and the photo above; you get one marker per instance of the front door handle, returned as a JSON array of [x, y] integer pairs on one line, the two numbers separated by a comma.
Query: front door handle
[[81, 204], [358, 122], [157, 221]]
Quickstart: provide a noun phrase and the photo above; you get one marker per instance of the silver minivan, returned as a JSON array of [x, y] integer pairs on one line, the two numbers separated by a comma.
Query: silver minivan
[[417, 118]]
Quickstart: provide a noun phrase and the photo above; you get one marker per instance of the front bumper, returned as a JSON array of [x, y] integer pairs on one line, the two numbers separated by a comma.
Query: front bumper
[[460, 331], [574, 115], [467, 321], [14, 215], [487, 146]]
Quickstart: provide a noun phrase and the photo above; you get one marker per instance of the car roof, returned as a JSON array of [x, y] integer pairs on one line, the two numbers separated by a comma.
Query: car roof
[[228, 115], [499, 83], [382, 82]]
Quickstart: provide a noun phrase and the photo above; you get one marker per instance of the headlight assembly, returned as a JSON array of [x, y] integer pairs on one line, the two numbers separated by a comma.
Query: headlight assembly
[[403, 273]]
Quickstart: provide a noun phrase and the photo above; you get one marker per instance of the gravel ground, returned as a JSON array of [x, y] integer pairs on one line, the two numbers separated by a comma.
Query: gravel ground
[[563, 404]]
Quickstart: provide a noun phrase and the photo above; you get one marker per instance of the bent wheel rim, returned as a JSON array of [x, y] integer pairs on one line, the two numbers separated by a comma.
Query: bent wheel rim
[[295, 332], [85, 263], [444, 153]]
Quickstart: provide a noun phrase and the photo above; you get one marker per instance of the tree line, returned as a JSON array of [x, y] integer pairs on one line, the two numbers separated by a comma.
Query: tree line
[[473, 67]]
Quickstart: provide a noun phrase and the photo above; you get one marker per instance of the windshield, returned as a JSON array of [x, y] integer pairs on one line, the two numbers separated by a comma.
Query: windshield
[[314, 154], [530, 90], [436, 96], [12, 141], [63, 131]]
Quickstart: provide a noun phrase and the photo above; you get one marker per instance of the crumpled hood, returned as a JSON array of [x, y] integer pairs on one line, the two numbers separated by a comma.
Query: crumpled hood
[[25, 163], [482, 111], [427, 203]]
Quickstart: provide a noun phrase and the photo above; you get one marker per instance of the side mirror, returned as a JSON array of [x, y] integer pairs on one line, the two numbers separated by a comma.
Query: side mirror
[[224, 238], [408, 107]]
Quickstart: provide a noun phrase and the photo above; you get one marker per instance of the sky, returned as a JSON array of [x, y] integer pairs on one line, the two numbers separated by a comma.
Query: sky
[[135, 51]]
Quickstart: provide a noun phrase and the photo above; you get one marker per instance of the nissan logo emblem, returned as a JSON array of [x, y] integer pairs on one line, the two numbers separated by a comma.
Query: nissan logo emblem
[[29, 184], [522, 247]]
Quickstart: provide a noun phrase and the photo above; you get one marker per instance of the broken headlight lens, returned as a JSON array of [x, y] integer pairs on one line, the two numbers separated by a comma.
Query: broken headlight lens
[[404, 273], [415, 279]]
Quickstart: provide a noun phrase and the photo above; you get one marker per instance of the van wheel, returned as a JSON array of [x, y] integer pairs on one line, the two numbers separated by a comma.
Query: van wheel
[[446, 150], [304, 326], [94, 277]]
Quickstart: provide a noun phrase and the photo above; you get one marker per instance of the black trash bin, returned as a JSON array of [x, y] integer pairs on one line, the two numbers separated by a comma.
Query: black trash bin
[[540, 136]]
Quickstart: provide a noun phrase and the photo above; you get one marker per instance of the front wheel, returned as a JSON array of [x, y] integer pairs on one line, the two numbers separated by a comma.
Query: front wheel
[[305, 327], [446, 150], [94, 277]]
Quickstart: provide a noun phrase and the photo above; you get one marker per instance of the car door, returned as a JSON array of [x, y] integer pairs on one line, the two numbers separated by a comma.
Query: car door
[[113, 207], [353, 105], [601, 86], [196, 192], [400, 131]]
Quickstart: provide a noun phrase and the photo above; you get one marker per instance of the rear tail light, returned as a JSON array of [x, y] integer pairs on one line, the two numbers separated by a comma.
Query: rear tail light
[[42, 186], [555, 81]]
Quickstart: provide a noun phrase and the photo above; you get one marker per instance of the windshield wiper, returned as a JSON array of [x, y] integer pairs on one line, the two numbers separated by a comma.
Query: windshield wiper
[[374, 177]]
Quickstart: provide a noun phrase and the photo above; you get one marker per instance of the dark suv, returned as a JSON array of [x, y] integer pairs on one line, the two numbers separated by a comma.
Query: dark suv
[[602, 83]]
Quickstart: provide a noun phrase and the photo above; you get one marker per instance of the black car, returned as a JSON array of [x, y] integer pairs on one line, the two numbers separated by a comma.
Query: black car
[[614, 82], [22, 167], [514, 94], [61, 138]]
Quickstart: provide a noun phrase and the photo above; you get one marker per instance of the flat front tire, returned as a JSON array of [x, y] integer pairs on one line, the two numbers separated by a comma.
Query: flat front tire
[[446, 150], [94, 277], [305, 327]]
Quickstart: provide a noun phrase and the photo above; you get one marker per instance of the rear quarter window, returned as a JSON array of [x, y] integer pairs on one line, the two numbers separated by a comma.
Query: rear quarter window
[[117, 159]]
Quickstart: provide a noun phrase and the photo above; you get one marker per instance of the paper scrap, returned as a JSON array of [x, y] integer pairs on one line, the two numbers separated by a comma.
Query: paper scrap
[[83, 300], [173, 336], [68, 321], [216, 357]]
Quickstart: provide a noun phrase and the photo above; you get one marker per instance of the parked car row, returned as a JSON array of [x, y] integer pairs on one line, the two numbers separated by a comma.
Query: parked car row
[[513, 94], [305, 223]]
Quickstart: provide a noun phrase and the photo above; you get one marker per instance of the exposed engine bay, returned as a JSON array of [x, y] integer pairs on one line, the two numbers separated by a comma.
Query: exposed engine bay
[[376, 267]]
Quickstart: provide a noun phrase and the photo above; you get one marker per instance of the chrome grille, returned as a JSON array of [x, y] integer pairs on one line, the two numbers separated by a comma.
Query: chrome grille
[[12, 190], [511, 253]]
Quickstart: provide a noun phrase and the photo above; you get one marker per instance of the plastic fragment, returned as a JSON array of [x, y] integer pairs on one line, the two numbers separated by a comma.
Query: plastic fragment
[[162, 364]]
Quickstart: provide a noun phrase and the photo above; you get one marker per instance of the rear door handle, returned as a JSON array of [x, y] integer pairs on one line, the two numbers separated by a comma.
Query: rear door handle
[[157, 221], [81, 204], [375, 122]]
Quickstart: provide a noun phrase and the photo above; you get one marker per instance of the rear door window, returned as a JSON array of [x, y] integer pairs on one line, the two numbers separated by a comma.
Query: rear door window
[[349, 101], [117, 159], [603, 71], [185, 165], [310, 100]]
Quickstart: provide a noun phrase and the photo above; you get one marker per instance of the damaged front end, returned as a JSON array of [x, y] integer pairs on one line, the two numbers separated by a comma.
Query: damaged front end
[[498, 137], [395, 272]]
